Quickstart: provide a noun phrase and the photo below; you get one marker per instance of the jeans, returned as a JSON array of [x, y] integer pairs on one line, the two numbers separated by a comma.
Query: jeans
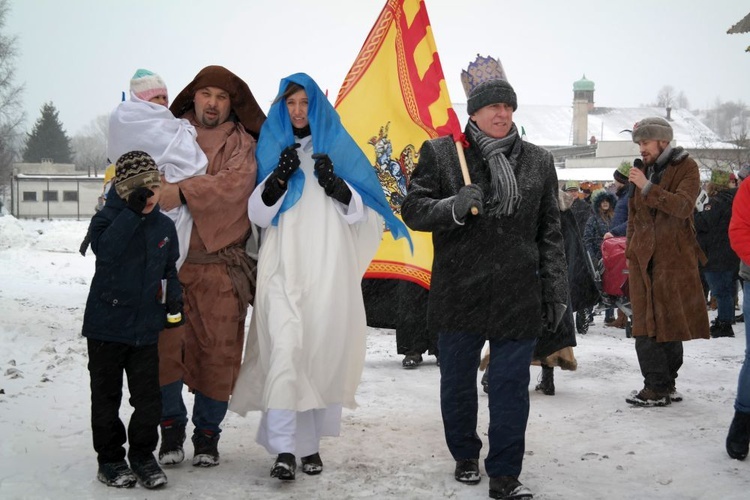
[[508, 399], [207, 413], [721, 284], [742, 403]]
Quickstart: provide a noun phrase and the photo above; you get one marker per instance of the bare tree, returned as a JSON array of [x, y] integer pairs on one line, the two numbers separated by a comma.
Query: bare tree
[[11, 112], [91, 146], [666, 97]]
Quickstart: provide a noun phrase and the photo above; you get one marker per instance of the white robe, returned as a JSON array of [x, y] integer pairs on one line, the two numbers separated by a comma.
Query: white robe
[[138, 125], [306, 346]]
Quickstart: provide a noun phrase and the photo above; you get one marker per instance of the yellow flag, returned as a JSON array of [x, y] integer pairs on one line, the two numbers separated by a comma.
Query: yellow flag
[[392, 100]]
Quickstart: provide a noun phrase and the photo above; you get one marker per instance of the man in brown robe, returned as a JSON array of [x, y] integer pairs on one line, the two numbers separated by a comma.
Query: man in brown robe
[[218, 277]]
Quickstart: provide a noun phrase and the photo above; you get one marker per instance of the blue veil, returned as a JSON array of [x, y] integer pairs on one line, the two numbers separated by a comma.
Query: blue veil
[[329, 137]]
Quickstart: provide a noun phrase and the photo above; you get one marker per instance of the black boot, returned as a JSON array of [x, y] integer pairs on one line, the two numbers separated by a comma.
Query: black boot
[[206, 449], [172, 439], [285, 467], [738, 438], [547, 385], [721, 329]]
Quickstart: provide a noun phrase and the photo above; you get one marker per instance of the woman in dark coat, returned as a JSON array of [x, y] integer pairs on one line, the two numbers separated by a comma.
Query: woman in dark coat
[[597, 226]]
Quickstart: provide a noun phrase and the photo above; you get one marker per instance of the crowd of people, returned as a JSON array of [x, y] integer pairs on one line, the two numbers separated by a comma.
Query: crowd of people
[[180, 259]]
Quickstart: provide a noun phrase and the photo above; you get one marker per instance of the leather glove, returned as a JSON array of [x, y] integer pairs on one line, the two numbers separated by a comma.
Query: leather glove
[[175, 314], [288, 163], [552, 315], [138, 199], [468, 197], [332, 184]]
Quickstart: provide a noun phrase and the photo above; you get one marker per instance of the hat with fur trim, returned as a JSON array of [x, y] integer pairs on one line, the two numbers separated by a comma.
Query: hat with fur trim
[[133, 170], [491, 92], [146, 85], [653, 128]]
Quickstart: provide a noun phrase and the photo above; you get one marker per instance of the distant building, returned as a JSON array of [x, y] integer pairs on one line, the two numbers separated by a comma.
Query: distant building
[[53, 191]]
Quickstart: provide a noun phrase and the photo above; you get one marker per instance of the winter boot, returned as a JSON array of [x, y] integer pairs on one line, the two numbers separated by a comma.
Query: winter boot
[[411, 361], [285, 467], [547, 385], [648, 397], [467, 471], [172, 439], [738, 438], [509, 488], [148, 472], [312, 464], [206, 449], [721, 329], [116, 474]]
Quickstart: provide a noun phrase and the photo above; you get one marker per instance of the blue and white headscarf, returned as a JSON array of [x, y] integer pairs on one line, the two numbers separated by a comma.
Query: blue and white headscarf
[[329, 137]]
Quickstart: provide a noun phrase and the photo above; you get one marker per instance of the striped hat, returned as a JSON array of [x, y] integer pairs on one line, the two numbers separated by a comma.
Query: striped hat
[[133, 170], [146, 85]]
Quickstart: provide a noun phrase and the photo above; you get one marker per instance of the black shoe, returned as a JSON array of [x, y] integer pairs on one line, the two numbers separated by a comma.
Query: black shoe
[[285, 467], [148, 472], [116, 474], [508, 488], [648, 397], [411, 361], [547, 384], [312, 464], [171, 451], [721, 329], [467, 471], [738, 439], [206, 449]]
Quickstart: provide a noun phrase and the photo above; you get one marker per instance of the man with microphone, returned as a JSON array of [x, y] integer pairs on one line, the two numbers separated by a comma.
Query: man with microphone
[[663, 254]]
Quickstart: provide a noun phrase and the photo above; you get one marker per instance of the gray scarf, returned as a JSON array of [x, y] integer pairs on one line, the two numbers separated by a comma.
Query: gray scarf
[[500, 156]]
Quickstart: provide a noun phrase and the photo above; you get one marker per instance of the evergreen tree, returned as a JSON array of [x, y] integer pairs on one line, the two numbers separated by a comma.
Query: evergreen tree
[[48, 139]]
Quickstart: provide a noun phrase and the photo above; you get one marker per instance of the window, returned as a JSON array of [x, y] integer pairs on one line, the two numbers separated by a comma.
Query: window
[[29, 196], [70, 195], [49, 195]]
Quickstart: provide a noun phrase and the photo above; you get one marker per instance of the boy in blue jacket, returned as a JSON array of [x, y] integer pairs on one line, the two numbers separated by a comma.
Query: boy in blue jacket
[[128, 305]]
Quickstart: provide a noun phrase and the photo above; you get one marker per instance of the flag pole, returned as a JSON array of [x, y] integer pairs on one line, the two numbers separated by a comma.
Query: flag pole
[[464, 170]]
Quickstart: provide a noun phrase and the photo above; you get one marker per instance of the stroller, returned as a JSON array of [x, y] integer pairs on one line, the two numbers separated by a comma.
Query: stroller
[[611, 277]]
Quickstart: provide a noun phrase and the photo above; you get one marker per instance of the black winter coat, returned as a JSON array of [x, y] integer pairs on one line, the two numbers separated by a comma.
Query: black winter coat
[[133, 254], [491, 275], [712, 230]]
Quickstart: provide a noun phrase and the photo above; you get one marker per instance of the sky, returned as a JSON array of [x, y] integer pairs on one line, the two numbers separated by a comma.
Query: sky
[[80, 54], [584, 442]]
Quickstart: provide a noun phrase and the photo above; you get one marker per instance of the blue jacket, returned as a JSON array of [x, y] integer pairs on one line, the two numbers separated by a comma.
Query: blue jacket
[[619, 224], [133, 254]]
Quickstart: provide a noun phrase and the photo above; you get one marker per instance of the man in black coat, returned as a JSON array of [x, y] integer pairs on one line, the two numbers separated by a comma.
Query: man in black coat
[[498, 274]]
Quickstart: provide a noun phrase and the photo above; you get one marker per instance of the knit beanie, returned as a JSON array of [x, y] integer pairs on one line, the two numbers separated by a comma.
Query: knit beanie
[[653, 128], [133, 170], [147, 85], [720, 178], [622, 172], [491, 92]]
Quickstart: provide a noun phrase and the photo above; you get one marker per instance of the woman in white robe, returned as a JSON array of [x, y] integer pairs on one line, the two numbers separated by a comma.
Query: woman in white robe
[[306, 347]]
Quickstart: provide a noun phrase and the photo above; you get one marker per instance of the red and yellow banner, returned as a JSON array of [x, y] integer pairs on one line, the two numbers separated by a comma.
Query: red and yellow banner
[[393, 99]]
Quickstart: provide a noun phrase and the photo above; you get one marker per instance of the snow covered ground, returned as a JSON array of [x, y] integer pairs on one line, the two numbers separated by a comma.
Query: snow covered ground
[[584, 442]]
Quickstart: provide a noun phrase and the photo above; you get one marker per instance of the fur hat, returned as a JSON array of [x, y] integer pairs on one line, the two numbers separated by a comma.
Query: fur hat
[[653, 128], [244, 105], [720, 177], [133, 170], [147, 85], [491, 92], [622, 172]]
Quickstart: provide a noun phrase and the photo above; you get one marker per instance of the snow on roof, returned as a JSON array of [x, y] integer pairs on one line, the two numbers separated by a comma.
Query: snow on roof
[[553, 125]]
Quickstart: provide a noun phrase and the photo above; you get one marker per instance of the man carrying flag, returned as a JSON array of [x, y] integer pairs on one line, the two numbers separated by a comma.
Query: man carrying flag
[[499, 274]]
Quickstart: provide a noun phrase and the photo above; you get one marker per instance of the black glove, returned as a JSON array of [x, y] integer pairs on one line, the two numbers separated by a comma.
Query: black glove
[[288, 163], [552, 315], [468, 197], [138, 199], [175, 314], [332, 184]]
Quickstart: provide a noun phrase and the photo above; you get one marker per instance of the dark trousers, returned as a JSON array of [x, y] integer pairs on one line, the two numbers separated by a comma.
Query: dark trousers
[[508, 399], [107, 362], [659, 362]]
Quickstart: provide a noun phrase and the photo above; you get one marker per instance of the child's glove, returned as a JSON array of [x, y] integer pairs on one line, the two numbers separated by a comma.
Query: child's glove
[[138, 199], [175, 314]]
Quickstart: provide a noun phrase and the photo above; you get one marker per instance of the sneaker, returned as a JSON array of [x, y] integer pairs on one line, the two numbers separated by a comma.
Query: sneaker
[[206, 449], [467, 471], [312, 464], [648, 397], [508, 488], [411, 361], [285, 467], [116, 474], [148, 472], [172, 439]]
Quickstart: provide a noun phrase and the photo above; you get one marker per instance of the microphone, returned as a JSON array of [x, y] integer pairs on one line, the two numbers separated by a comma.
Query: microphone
[[637, 163]]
